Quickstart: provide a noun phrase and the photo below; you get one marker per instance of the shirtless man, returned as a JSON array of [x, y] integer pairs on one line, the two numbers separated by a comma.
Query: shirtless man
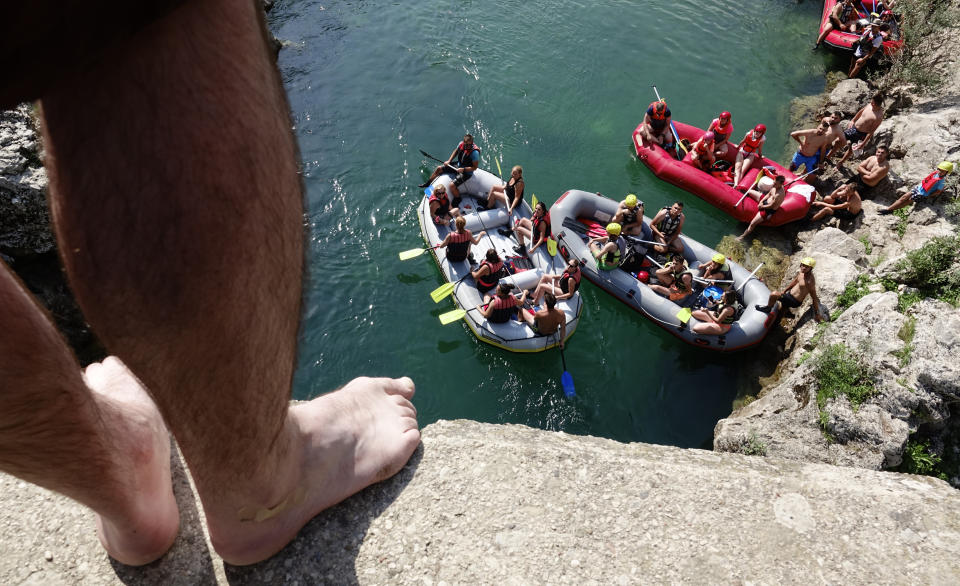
[[796, 291], [205, 323], [769, 205], [861, 128], [630, 215], [814, 143], [547, 321], [667, 226], [873, 170], [837, 139], [843, 203]]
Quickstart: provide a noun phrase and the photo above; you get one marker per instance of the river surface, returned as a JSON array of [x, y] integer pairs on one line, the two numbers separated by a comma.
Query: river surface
[[557, 86]]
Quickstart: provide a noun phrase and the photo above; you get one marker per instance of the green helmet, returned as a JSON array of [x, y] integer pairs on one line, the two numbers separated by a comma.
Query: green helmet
[[613, 229], [719, 258], [946, 166]]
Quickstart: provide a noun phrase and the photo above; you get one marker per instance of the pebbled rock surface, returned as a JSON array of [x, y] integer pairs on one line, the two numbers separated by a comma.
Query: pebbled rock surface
[[489, 504]]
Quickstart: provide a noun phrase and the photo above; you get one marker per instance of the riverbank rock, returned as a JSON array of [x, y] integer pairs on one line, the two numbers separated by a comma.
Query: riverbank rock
[[849, 96], [491, 504], [24, 217]]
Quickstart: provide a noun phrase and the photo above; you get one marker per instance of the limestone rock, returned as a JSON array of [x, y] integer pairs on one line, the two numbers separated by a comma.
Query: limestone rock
[[24, 219], [849, 96]]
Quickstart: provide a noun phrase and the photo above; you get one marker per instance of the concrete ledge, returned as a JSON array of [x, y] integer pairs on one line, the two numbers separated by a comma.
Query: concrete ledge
[[507, 504]]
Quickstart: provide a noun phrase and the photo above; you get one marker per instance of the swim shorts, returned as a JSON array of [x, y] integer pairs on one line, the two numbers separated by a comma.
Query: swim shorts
[[788, 300], [862, 188], [766, 213], [809, 162], [845, 214], [917, 194], [854, 135], [460, 178]]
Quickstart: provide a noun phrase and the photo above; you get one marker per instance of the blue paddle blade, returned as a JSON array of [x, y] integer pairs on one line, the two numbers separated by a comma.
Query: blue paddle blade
[[567, 381], [428, 190]]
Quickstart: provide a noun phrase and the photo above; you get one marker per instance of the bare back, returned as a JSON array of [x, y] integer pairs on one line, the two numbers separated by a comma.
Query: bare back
[[870, 118]]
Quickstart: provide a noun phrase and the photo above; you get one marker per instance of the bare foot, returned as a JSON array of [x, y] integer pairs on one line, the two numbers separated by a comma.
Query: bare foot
[[342, 442], [146, 521]]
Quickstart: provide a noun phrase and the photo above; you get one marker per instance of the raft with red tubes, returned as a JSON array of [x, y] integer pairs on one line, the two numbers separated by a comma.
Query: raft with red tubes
[[845, 40]]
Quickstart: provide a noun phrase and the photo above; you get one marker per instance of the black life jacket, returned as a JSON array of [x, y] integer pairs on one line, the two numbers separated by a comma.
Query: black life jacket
[[458, 246], [487, 282], [444, 204], [503, 309], [463, 155], [669, 224], [565, 280]]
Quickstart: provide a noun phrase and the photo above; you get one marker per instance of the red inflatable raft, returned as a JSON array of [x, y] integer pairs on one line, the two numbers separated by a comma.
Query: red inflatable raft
[[844, 40], [714, 190]]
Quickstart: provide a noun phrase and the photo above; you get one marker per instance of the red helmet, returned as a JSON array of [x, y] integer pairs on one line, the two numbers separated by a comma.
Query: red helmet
[[643, 276], [724, 115], [761, 128], [708, 136]]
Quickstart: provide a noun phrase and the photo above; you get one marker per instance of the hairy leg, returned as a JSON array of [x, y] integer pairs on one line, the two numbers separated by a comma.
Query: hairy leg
[[101, 441], [179, 210]]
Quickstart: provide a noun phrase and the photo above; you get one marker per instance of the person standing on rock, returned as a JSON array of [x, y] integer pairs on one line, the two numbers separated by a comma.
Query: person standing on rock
[[796, 291], [862, 127], [873, 170], [931, 186], [203, 323], [814, 143]]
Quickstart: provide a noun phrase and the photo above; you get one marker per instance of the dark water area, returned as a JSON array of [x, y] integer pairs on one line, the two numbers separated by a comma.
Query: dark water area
[[558, 87]]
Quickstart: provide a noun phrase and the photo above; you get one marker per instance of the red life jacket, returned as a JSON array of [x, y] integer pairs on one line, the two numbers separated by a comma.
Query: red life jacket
[[503, 309], [701, 147], [536, 224], [463, 156], [444, 203], [487, 282], [658, 115], [565, 280], [930, 181], [457, 246], [717, 130], [751, 144]]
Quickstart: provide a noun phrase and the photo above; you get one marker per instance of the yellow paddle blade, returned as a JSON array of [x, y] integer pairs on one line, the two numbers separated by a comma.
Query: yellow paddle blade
[[412, 253], [533, 200], [499, 170], [552, 246], [684, 315], [450, 316], [441, 292]]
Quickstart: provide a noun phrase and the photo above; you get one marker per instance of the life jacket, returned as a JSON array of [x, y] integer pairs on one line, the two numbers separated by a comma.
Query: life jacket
[[458, 245], [750, 144], [658, 115], [678, 284], [930, 181], [611, 260], [511, 188], [487, 282], [444, 203], [630, 216], [718, 134], [701, 147], [845, 13], [463, 156], [536, 225], [669, 224], [503, 309], [733, 316], [565, 280]]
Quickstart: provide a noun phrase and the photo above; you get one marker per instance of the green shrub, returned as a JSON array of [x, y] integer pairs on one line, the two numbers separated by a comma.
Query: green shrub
[[839, 372], [753, 446], [902, 215], [855, 290], [906, 333], [918, 459], [867, 247], [934, 269], [920, 65]]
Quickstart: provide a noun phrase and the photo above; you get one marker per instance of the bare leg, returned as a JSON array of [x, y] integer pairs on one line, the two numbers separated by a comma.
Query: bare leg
[[107, 449], [823, 213], [753, 224], [174, 185]]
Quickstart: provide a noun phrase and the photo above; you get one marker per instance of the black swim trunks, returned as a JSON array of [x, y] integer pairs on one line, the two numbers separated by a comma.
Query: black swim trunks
[[788, 300], [844, 214], [854, 135], [862, 188]]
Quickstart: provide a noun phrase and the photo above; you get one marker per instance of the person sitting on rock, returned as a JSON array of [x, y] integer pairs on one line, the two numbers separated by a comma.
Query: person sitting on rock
[[843, 203], [931, 187], [796, 291], [861, 128], [547, 321], [873, 170], [718, 320], [675, 280]]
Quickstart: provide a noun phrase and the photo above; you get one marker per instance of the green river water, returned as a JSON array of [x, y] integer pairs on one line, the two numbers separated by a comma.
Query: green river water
[[556, 86]]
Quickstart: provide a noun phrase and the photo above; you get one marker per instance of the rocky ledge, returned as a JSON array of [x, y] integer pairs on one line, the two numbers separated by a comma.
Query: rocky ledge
[[486, 504]]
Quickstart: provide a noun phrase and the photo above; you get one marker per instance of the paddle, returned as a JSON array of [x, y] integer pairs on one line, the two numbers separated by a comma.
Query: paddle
[[795, 179], [429, 156], [445, 289], [415, 252], [684, 315], [566, 380], [749, 277], [676, 136], [450, 316], [499, 170], [756, 181]]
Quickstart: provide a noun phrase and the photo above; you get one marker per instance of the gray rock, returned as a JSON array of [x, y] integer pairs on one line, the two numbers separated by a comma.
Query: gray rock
[[24, 219], [849, 96]]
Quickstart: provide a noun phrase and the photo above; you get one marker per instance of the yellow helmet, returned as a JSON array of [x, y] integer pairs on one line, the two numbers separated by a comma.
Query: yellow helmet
[[631, 201], [809, 261], [946, 166], [719, 258], [613, 229]]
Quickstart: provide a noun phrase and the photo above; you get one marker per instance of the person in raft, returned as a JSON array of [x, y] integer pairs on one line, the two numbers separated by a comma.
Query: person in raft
[[463, 161], [487, 275], [503, 306], [719, 320], [667, 226], [814, 143], [511, 194], [861, 128], [174, 310], [749, 150], [873, 170], [867, 46], [701, 153], [843, 203], [656, 126], [546, 321], [458, 243], [562, 286], [843, 17], [722, 129], [630, 215], [675, 280], [537, 227], [440, 209], [609, 250], [796, 291], [768, 205], [932, 186], [718, 269]]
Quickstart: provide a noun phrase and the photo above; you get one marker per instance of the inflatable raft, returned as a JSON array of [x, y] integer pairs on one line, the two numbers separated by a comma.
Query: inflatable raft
[[578, 215], [715, 191], [844, 40], [523, 271]]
